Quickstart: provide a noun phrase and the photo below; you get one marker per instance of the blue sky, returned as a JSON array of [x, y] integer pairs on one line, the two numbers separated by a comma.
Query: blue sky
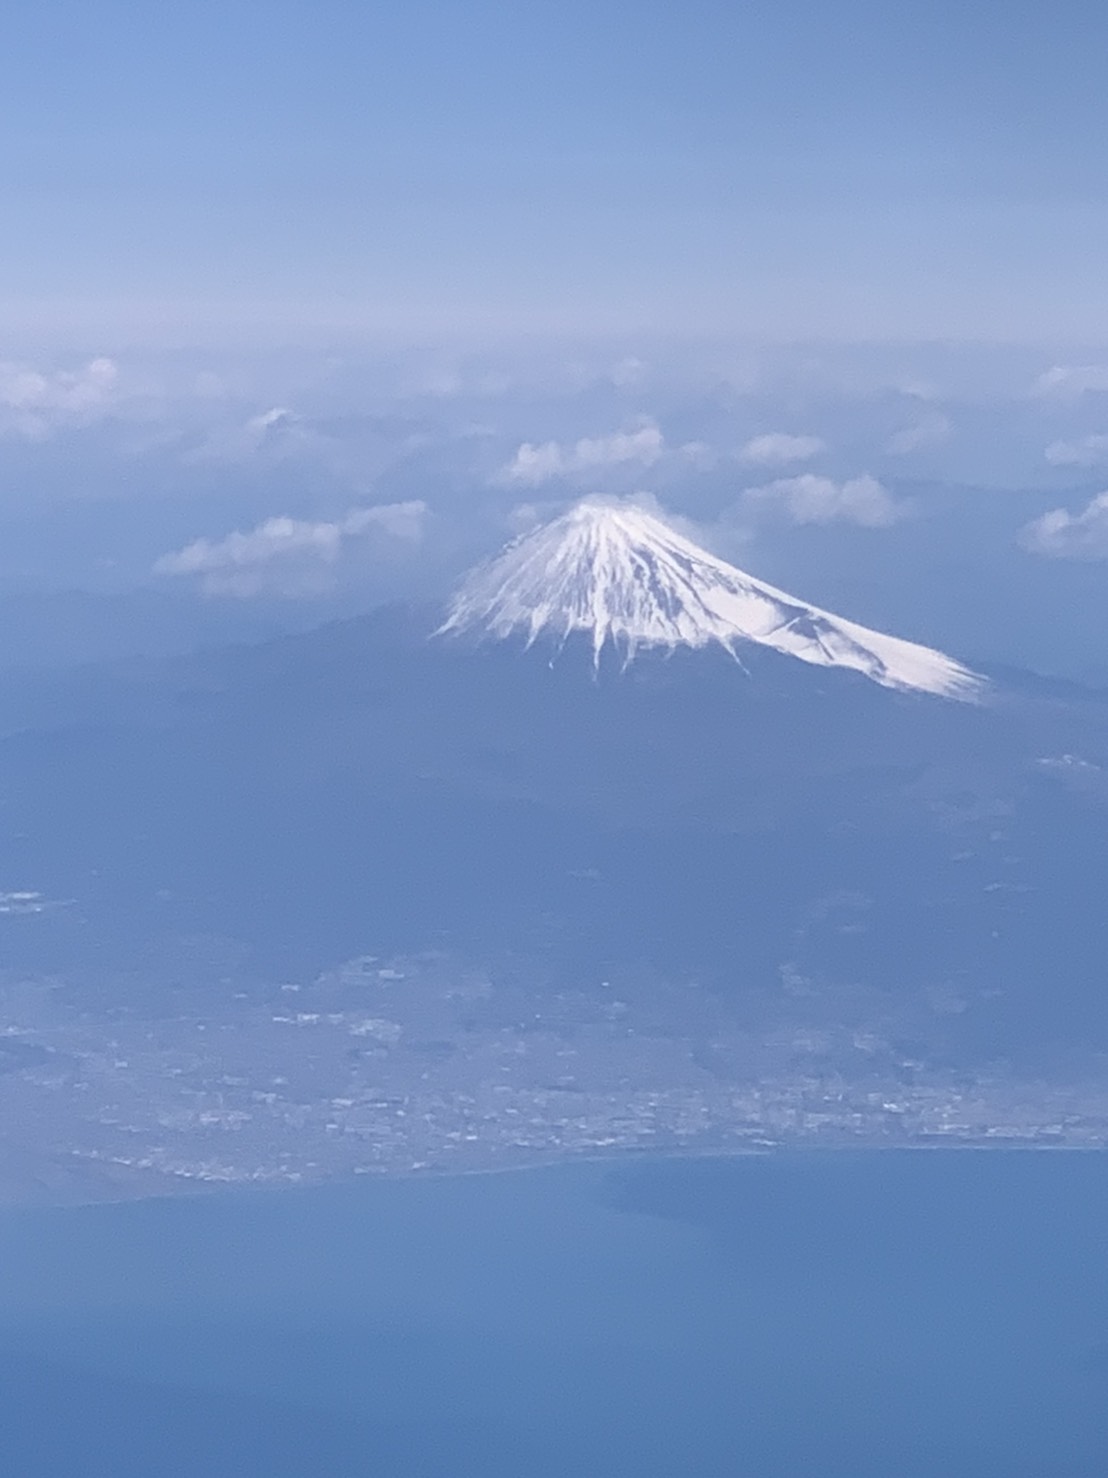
[[792, 169]]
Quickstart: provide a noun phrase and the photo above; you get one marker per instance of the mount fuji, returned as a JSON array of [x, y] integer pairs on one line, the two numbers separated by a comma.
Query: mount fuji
[[619, 574], [619, 756]]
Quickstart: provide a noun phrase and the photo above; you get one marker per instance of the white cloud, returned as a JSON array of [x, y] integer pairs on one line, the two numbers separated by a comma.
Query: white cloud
[[278, 416], [32, 401], [1068, 380], [534, 464], [1065, 535], [287, 555], [1087, 451], [931, 431], [777, 448], [538, 463], [811, 499]]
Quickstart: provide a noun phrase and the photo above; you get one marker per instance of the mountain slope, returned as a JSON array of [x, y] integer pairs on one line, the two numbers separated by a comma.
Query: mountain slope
[[619, 574]]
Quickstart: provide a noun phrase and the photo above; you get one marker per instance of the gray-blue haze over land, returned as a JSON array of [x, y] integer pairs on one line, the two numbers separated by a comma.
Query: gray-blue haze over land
[[377, 897]]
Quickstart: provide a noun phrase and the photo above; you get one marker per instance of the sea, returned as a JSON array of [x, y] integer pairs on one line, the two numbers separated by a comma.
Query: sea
[[929, 1314]]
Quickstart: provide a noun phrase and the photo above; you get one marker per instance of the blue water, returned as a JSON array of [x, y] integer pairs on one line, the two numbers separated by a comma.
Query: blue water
[[938, 1314]]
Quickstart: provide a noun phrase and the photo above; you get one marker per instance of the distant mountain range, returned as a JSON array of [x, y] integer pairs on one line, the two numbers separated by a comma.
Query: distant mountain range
[[829, 839]]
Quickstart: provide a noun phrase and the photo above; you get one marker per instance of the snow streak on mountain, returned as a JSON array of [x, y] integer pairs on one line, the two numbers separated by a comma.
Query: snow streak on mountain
[[617, 573]]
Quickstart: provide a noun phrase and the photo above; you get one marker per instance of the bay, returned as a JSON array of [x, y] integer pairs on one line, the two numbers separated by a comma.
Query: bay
[[836, 1314]]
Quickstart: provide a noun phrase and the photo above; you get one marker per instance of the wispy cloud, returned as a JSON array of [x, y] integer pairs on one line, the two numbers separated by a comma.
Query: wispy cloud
[[289, 556], [808, 499], [33, 401], [779, 448], [276, 434], [536, 463], [1086, 451], [930, 431], [1072, 380], [630, 370], [1065, 535]]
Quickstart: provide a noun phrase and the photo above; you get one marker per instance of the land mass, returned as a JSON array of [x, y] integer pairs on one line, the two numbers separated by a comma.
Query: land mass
[[424, 1064]]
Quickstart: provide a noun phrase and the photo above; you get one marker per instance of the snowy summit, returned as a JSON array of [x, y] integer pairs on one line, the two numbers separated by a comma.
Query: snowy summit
[[617, 573]]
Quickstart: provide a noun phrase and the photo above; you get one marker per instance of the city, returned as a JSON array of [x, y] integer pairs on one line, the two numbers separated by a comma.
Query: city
[[419, 1065]]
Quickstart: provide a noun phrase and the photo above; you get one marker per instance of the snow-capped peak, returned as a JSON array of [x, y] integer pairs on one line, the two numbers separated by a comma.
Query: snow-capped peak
[[619, 574]]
